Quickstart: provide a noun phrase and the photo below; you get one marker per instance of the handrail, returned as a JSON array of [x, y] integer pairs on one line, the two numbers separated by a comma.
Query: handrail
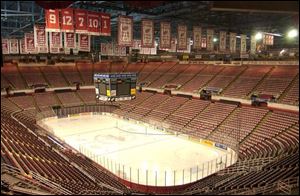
[[55, 187]]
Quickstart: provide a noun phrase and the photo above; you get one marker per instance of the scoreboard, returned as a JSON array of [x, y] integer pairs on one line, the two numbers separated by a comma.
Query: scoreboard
[[115, 86]]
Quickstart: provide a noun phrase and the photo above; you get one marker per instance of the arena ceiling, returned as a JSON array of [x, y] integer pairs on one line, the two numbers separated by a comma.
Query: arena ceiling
[[245, 17]]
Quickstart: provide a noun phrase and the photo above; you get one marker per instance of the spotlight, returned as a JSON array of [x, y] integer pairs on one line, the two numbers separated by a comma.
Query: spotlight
[[215, 40], [258, 36], [293, 33]]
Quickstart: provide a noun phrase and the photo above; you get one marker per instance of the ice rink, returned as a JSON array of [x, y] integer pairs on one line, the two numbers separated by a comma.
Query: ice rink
[[139, 153]]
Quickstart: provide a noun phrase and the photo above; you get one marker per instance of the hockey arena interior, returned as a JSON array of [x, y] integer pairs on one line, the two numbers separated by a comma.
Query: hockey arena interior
[[150, 97]]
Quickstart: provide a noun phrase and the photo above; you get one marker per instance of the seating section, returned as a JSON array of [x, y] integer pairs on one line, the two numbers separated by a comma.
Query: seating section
[[117, 67], [187, 74], [86, 72], [87, 95], [23, 149], [12, 75], [47, 99], [185, 113], [54, 76], [71, 74], [292, 96], [24, 102], [159, 113], [278, 80], [244, 85], [201, 79], [32, 75], [69, 98], [238, 125], [145, 107], [147, 69], [168, 76], [205, 122], [134, 67], [268, 138], [226, 76], [236, 81]]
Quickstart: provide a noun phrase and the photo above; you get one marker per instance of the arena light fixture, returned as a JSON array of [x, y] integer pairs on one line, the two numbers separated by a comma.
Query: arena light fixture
[[292, 33], [215, 40], [258, 36]]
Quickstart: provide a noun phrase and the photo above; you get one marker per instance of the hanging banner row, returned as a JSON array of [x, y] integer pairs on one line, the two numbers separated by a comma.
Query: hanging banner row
[[78, 21], [37, 42], [125, 36]]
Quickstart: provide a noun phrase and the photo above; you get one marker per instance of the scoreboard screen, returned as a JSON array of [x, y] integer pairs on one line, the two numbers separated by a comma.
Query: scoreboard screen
[[114, 86]]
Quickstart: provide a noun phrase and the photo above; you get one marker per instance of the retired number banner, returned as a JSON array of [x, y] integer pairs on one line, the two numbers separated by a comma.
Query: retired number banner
[[222, 41], [52, 20], [55, 42], [67, 20], [209, 40], [243, 44], [69, 40], [14, 46], [125, 31], [182, 37], [253, 45], [197, 34], [93, 23], [5, 46], [29, 43], [147, 33], [40, 38], [105, 24], [232, 44], [80, 21], [165, 35], [22, 46], [84, 42]]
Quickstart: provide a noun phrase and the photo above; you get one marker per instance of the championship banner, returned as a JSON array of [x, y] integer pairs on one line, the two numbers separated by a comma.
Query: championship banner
[[222, 40], [93, 23], [125, 31], [165, 35], [253, 45], [243, 44], [84, 42], [103, 49], [203, 43], [105, 24], [5, 46], [209, 40], [13, 46], [69, 40], [55, 42], [67, 20], [147, 33], [40, 38], [29, 43], [268, 39], [80, 21], [52, 20], [232, 42], [22, 46], [197, 34], [182, 37], [188, 47]]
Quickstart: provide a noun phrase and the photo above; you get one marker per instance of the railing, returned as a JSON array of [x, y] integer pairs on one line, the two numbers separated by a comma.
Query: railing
[[54, 187], [37, 180]]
